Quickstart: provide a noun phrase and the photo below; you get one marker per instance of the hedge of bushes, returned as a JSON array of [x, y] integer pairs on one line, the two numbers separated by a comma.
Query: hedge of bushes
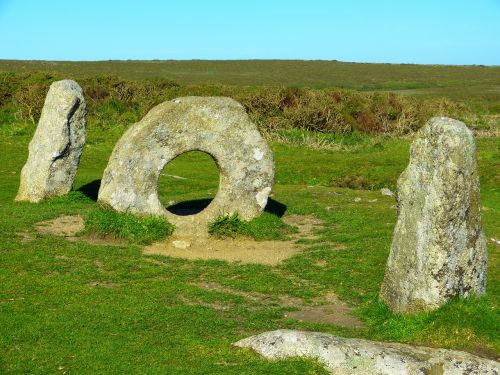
[[113, 100]]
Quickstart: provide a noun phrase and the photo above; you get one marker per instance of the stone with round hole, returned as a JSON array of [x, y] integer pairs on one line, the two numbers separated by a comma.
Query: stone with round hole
[[218, 126]]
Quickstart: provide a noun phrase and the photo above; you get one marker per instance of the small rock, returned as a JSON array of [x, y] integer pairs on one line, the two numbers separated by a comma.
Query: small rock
[[358, 199], [373, 200], [386, 192], [171, 203], [181, 244]]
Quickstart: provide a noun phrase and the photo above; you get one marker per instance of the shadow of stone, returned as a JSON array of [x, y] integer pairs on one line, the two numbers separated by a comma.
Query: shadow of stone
[[276, 208], [91, 190], [187, 208], [195, 206]]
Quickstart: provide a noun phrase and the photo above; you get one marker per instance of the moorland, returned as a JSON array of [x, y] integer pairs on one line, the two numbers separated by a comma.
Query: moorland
[[339, 132]]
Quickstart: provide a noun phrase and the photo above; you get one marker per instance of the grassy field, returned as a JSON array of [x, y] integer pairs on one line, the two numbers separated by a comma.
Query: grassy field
[[464, 83], [74, 307]]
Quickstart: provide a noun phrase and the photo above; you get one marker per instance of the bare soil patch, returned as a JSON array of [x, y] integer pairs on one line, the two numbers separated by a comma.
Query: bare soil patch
[[306, 225], [326, 309], [25, 237], [102, 283], [242, 250], [69, 226], [64, 226]]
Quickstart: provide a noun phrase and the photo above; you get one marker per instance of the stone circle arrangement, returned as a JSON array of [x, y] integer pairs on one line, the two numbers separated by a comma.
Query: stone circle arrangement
[[438, 248]]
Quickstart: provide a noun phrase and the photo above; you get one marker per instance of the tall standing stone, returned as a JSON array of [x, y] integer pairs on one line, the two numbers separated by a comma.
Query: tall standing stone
[[438, 249], [56, 147]]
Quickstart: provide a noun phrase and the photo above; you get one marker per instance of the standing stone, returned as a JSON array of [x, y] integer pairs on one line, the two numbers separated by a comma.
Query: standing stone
[[438, 249], [56, 147], [217, 126]]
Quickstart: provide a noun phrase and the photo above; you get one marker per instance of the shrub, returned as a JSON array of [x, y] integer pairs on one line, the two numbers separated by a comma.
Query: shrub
[[116, 101]]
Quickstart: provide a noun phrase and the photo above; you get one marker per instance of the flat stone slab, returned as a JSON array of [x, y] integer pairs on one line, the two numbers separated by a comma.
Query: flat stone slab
[[343, 356], [216, 125], [56, 147]]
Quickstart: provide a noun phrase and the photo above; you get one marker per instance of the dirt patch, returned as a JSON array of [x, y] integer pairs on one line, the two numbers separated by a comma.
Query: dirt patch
[[326, 309], [242, 250], [64, 226], [69, 226], [334, 311], [25, 237], [103, 241], [306, 225], [102, 283]]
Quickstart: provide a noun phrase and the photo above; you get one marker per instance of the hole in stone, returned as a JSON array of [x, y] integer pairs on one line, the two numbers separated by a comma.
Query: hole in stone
[[188, 183]]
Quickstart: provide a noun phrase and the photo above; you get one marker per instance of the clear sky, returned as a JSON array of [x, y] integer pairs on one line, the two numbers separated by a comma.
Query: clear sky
[[397, 31]]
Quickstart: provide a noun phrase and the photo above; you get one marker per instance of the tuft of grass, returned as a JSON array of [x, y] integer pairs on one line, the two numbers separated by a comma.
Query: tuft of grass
[[226, 226], [142, 230], [265, 227]]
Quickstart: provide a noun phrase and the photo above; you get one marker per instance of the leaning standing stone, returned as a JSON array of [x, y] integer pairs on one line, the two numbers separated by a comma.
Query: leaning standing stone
[[56, 147], [438, 249]]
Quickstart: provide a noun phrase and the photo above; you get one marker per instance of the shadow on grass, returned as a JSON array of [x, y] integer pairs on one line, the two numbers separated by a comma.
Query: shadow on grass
[[91, 190], [191, 207]]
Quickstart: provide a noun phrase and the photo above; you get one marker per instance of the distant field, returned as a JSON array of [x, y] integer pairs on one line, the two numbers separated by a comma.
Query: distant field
[[477, 83]]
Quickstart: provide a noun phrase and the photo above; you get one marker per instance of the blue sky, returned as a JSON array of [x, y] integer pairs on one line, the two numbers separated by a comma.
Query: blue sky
[[424, 31]]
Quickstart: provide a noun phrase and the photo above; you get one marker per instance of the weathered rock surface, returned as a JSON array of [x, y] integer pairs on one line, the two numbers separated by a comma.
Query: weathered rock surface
[[216, 125], [56, 147], [387, 192], [343, 356], [438, 249]]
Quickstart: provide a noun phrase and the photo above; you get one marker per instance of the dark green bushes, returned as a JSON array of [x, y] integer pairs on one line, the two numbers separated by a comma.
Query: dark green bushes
[[113, 100]]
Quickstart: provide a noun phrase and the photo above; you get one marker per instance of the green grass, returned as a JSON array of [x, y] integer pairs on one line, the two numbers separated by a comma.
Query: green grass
[[459, 82], [105, 223], [267, 226], [77, 307]]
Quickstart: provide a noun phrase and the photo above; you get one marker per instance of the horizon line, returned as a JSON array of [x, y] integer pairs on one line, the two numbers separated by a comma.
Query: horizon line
[[242, 60]]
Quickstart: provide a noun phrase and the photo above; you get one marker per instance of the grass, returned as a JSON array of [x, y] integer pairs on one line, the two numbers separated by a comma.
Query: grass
[[303, 115], [267, 226], [86, 308], [458, 82], [104, 223]]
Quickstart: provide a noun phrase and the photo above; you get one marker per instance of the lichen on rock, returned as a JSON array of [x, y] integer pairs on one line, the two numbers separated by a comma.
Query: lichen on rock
[[56, 147], [344, 356], [438, 249], [216, 125]]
